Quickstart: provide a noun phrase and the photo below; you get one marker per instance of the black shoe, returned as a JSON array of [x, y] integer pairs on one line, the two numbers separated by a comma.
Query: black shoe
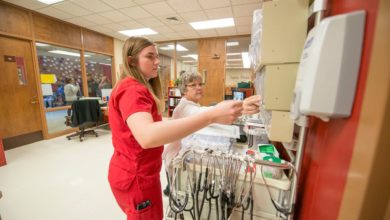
[[166, 191]]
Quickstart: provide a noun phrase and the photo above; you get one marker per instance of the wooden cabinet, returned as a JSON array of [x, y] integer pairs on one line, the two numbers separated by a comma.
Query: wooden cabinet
[[174, 97]]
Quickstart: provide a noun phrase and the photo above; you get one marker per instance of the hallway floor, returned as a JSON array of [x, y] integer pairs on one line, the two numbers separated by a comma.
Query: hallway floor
[[60, 179]]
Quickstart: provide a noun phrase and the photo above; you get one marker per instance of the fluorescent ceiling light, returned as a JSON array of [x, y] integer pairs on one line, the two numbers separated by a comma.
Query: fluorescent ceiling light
[[233, 54], [245, 60], [171, 46], [67, 53], [49, 2], [218, 23], [233, 43], [41, 45], [138, 32], [189, 61], [232, 60], [193, 56]]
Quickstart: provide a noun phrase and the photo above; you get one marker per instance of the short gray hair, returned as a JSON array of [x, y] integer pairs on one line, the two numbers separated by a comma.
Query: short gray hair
[[186, 78]]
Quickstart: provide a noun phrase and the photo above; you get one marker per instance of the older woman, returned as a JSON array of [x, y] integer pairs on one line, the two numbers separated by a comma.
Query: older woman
[[191, 88]]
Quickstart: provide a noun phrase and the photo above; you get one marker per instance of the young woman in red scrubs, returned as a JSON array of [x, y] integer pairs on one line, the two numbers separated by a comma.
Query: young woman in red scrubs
[[138, 132]]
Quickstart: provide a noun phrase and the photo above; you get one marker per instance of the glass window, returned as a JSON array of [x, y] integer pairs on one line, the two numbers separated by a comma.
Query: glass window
[[237, 66], [165, 51], [187, 56], [60, 74], [56, 121], [99, 74]]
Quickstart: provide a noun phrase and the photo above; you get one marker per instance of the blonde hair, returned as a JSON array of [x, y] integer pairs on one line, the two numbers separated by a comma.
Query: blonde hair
[[187, 77], [132, 47]]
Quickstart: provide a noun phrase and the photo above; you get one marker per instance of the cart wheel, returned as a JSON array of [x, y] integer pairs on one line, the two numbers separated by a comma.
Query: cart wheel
[[68, 138], [96, 135]]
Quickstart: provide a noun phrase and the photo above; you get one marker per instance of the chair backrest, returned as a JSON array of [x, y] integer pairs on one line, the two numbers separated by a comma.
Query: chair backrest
[[85, 112]]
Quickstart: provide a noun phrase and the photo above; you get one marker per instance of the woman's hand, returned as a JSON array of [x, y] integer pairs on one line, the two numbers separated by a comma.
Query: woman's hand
[[251, 105], [226, 112]]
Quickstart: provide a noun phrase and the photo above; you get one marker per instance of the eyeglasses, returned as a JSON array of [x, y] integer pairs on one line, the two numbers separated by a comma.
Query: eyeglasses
[[193, 85]]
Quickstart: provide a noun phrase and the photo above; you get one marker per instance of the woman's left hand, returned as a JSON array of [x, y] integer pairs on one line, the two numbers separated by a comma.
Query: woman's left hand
[[251, 105]]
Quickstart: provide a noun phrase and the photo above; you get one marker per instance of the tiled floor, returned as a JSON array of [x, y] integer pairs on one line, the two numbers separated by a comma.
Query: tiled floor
[[59, 179]]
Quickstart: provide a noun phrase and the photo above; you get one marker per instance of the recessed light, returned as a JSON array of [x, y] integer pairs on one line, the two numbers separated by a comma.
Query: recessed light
[[41, 45], [245, 60], [67, 53], [193, 56], [209, 24], [138, 32], [49, 2], [232, 43], [233, 54], [171, 46]]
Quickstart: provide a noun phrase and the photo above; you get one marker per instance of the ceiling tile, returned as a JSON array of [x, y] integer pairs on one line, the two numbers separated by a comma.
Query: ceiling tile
[[245, 29], [118, 4], [194, 16], [239, 21], [72, 8], [163, 29], [81, 21], [208, 33], [119, 36], [54, 13], [158, 37], [182, 27], [243, 2], [208, 4], [131, 25], [93, 5], [114, 27], [101, 29], [184, 6], [97, 19], [173, 36], [190, 34], [115, 16], [159, 8], [245, 10], [33, 5], [218, 13], [226, 31], [143, 2], [136, 12], [150, 22]]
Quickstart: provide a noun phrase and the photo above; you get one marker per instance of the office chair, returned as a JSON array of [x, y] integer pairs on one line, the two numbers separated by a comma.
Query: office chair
[[85, 114]]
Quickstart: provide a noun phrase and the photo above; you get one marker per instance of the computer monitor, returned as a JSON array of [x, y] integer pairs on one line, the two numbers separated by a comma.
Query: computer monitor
[[238, 95]]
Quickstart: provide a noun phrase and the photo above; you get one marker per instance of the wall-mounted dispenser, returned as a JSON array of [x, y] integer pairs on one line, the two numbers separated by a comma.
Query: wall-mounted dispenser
[[329, 67]]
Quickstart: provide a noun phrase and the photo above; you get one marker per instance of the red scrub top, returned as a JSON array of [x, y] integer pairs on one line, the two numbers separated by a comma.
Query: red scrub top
[[134, 172]]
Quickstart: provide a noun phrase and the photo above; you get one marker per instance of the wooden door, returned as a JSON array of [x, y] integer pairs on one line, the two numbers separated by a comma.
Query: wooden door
[[19, 106], [212, 55]]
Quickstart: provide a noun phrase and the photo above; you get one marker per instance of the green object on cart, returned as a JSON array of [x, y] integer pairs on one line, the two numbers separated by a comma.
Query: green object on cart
[[267, 149]]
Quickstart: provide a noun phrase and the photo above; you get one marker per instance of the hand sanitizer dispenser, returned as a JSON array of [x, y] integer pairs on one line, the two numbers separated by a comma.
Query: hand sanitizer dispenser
[[329, 67]]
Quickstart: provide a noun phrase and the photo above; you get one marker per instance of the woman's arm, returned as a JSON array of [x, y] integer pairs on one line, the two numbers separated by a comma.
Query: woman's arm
[[151, 134], [251, 105]]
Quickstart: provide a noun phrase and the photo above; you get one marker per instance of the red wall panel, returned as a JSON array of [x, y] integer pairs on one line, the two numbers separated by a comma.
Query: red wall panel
[[329, 145]]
